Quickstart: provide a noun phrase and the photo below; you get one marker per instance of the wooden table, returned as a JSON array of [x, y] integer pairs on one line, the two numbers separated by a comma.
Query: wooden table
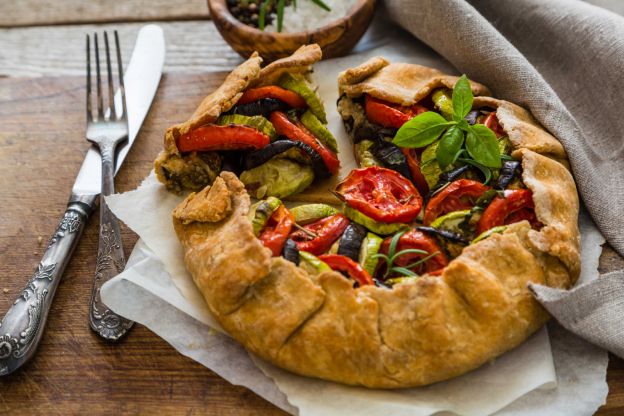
[[41, 148]]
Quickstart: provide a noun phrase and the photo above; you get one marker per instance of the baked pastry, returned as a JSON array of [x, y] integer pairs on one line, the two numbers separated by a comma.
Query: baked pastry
[[395, 289], [266, 124]]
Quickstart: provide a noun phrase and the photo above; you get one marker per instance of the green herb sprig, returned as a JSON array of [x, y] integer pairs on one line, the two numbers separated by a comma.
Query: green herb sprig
[[266, 4], [392, 255], [475, 145]]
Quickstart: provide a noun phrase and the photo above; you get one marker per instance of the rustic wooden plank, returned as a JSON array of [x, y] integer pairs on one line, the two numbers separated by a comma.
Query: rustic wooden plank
[[193, 46], [48, 12], [74, 372]]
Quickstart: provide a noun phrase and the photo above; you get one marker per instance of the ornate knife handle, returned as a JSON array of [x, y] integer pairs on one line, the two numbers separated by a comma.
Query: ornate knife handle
[[110, 258], [22, 326]]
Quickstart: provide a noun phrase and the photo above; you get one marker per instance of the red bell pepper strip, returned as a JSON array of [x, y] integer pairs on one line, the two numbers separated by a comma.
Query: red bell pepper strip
[[415, 239], [459, 195], [327, 230], [414, 166], [382, 194], [515, 206], [231, 137], [285, 127], [345, 264], [293, 99], [388, 114], [275, 232], [491, 122]]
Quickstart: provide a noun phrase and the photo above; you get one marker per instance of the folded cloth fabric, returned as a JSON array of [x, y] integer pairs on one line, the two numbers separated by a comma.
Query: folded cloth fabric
[[563, 60]]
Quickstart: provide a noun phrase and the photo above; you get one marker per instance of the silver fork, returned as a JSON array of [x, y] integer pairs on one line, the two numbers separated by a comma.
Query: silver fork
[[106, 129]]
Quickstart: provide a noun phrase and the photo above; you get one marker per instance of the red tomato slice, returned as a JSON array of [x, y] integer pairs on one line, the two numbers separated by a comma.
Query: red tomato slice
[[345, 264], [415, 239], [273, 91], [491, 122], [459, 195], [388, 114], [212, 137], [285, 127], [275, 233], [382, 194], [414, 166], [515, 206], [327, 230]]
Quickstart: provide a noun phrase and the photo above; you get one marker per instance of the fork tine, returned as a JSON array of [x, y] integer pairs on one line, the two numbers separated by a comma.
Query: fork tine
[[99, 80], [111, 102], [122, 89], [89, 109]]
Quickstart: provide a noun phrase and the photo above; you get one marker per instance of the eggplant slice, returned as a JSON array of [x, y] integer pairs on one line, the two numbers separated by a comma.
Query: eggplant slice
[[262, 107], [351, 241], [391, 157], [508, 172], [258, 157], [290, 252]]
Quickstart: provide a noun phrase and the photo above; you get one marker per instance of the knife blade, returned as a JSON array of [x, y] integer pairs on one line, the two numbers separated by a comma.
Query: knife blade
[[141, 80], [22, 326]]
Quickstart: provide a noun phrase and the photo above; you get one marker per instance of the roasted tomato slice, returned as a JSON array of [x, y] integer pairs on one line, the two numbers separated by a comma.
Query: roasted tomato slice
[[293, 99], [491, 122], [515, 206], [414, 167], [350, 267], [382, 194], [415, 239], [316, 238], [298, 133], [275, 232], [459, 195], [231, 137], [388, 114]]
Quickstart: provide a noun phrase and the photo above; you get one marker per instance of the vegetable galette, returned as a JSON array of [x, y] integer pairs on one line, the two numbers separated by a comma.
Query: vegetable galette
[[461, 200]]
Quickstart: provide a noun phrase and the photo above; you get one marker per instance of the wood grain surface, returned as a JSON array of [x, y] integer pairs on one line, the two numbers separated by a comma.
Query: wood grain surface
[[45, 12], [41, 148], [193, 46]]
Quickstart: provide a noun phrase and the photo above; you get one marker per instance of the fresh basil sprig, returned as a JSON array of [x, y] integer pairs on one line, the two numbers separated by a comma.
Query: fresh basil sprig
[[392, 255], [478, 140]]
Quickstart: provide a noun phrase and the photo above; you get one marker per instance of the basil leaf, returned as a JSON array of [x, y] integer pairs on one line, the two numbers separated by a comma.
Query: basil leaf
[[463, 124], [450, 144], [462, 98], [482, 146], [422, 130]]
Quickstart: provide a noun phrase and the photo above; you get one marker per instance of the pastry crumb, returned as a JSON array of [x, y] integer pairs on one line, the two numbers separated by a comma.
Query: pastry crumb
[[5, 290], [39, 240]]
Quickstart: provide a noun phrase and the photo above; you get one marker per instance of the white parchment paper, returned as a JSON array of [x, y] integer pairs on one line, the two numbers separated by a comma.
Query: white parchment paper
[[157, 291]]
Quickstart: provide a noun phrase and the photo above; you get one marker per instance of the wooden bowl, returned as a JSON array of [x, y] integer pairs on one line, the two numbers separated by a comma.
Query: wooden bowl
[[335, 39]]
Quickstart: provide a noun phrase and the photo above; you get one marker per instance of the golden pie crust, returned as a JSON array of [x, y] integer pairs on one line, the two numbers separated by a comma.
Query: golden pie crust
[[430, 329]]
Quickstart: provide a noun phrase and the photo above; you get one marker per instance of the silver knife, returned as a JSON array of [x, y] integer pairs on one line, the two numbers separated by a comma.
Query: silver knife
[[22, 326]]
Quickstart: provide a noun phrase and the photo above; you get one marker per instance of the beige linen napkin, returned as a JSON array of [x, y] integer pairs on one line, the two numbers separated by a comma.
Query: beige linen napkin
[[563, 60]]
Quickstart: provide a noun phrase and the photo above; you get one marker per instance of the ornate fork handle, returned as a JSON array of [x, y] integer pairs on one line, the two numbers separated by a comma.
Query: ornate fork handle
[[22, 326], [110, 258]]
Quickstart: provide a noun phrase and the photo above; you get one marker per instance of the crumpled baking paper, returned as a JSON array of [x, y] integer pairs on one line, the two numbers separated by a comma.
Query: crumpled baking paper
[[556, 375]]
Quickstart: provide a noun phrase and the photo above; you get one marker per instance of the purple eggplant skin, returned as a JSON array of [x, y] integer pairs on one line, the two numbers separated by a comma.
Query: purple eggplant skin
[[471, 117], [258, 157], [448, 235], [448, 177], [391, 157], [351, 241], [290, 252], [263, 107], [508, 172]]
